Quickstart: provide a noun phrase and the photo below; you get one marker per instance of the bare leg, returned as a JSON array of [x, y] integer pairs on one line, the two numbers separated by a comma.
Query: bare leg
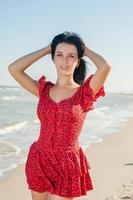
[[39, 196], [56, 197]]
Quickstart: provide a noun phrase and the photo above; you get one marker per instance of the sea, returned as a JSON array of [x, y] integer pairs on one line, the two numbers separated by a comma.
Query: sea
[[19, 125]]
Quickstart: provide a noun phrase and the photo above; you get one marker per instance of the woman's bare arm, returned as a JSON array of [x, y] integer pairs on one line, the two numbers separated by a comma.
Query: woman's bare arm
[[18, 67], [103, 69]]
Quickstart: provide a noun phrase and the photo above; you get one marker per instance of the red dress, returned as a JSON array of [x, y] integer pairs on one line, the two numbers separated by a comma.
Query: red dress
[[56, 163]]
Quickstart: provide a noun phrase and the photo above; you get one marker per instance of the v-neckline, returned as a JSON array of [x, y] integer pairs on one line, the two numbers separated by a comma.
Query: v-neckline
[[66, 99]]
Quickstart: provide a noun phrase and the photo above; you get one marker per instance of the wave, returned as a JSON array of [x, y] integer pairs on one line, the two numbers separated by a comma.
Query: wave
[[95, 139], [103, 108], [8, 149], [10, 88], [36, 121], [8, 98], [7, 169], [99, 111], [12, 128], [92, 139]]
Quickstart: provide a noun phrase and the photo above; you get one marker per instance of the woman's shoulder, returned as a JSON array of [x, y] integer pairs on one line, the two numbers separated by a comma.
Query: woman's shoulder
[[43, 83]]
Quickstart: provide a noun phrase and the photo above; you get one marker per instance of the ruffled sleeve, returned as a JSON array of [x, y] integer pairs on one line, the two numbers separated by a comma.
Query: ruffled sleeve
[[41, 84], [88, 97]]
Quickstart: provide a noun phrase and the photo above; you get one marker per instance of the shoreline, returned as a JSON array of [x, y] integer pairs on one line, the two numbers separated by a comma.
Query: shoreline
[[111, 165]]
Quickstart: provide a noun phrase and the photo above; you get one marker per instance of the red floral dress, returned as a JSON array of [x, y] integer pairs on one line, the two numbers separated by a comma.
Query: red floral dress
[[56, 162]]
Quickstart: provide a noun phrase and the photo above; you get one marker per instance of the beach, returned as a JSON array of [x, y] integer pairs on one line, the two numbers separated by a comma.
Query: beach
[[111, 170]]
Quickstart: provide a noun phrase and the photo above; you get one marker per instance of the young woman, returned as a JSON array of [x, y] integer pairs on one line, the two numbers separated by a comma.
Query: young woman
[[57, 167]]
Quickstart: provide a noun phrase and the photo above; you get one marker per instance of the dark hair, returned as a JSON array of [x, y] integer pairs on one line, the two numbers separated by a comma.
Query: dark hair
[[72, 38]]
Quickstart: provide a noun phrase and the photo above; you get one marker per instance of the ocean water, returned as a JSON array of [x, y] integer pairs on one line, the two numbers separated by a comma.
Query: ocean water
[[19, 125]]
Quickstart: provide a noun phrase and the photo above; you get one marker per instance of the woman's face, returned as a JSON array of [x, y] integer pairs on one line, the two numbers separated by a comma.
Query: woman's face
[[66, 58]]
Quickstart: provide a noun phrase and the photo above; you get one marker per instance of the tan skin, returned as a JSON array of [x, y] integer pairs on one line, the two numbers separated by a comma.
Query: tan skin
[[65, 60], [18, 67]]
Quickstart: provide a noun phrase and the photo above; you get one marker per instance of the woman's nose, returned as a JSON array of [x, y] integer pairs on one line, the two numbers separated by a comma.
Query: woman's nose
[[65, 60]]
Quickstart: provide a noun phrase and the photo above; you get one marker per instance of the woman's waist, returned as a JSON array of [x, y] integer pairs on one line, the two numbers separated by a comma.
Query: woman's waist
[[50, 146]]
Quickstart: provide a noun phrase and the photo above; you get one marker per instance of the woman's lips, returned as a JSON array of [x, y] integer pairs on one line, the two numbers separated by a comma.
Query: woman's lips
[[64, 67]]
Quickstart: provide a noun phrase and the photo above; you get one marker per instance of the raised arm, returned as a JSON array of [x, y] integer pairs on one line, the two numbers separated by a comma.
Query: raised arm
[[18, 67], [103, 69]]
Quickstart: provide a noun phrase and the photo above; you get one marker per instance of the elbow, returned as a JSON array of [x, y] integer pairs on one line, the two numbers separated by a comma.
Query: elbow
[[11, 69], [107, 67]]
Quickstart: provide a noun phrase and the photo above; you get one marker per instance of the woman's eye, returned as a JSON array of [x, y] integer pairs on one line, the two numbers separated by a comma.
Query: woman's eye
[[69, 55], [72, 56]]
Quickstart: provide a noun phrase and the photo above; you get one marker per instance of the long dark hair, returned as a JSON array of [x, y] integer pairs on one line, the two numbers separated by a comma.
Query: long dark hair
[[72, 38]]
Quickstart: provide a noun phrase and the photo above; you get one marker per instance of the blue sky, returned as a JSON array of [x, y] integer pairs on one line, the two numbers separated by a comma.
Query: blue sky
[[105, 26]]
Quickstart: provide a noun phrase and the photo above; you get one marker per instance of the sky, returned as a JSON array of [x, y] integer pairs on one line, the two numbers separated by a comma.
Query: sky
[[105, 26]]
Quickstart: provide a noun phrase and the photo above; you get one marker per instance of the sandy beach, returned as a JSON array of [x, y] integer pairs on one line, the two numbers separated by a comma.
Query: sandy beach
[[111, 164]]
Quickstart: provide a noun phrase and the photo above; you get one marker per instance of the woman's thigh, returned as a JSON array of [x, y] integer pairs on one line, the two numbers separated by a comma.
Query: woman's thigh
[[39, 196], [56, 197]]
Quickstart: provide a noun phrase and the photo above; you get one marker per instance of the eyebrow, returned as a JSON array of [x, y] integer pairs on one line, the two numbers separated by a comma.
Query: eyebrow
[[68, 53]]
